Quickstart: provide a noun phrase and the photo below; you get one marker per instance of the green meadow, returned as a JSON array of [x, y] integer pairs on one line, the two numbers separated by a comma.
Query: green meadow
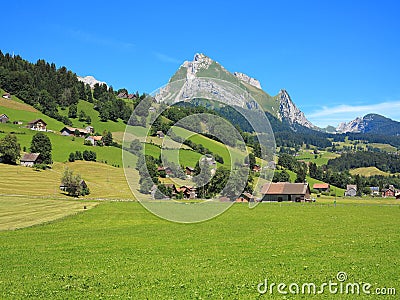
[[120, 250], [321, 159]]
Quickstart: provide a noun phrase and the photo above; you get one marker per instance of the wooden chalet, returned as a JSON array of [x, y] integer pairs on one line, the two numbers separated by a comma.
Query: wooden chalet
[[4, 118], [285, 191], [95, 140], [389, 192], [38, 125], [188, 192], [245, 197], [189, 171], [71, 131], [167, 170], [122, 95], [89, 129]]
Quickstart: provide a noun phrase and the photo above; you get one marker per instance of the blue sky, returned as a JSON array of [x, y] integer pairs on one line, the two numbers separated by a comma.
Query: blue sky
[[337, 59]]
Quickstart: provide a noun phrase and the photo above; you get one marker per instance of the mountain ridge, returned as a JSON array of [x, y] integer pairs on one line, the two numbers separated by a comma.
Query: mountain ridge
[[370, 123], [281, 105]]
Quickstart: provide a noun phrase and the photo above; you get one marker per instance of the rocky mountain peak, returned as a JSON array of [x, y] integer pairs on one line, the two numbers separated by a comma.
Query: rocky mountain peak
[[246, 78], [356, 125], [199, 62], [289, 111], [188, 82]]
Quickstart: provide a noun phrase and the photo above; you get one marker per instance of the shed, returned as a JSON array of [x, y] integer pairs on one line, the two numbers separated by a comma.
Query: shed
[[30, 159], [321, 187]]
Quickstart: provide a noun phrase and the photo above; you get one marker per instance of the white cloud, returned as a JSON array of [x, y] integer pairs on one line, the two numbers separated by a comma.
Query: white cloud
[[344, 113], [166, 58], [99, 40]]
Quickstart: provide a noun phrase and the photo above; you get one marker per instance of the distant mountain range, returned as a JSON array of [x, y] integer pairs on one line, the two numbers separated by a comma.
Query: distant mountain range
[[371, 123], [280, 106]]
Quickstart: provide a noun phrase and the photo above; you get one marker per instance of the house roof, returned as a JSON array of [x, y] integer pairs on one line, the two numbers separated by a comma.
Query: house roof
[[72, 129], [122, 95], [284, 188], [190, 168], [30, 157], [95, 137], [224, 199], [321, 186], [248, 195], [351, 186], [3, 116], [37, 121], [374, 188], [241, 199]]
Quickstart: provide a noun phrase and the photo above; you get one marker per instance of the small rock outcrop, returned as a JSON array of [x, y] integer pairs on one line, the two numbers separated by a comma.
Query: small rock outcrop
[[247, 79], [289, 111]]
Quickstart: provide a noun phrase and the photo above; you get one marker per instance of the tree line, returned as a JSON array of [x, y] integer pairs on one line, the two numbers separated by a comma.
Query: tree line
[[47, 88], [351, 160]]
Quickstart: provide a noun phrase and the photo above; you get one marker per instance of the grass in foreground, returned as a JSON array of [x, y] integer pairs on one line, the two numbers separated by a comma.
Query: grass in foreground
[[119, 250], [20, 212]]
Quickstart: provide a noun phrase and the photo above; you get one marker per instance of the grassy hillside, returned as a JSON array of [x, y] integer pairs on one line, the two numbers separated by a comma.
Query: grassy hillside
[[99, 126], [267, 102], [63, 145], [16, 110], [368, 171], [186, 157], [214, 146]]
